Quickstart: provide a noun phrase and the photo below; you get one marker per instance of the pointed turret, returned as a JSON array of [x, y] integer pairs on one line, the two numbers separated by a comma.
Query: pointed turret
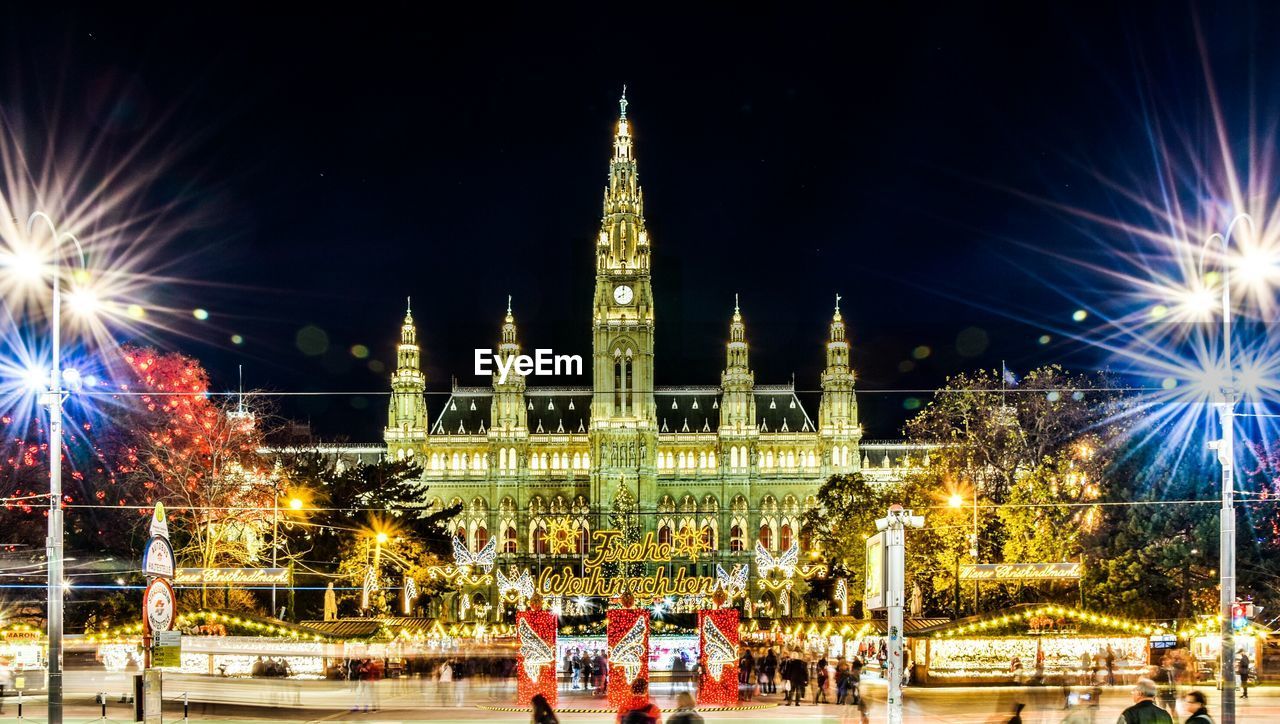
[[737, 382], [508, 413], [838, 412], [407, 413], [623, 242]]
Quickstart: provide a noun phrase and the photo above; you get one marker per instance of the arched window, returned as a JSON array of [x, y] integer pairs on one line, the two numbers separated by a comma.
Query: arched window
[[711, 459], [791, 459], [542, 464], [680, 460], [670, 461], [768, 459], [784, 539], [736, 539], [709, 536], [482, 537], [766, 536], [806, 539], [586, 461], [509, 540], [462, 533], [577, 461], [502, 459], [733, 458], [540, 540], [453, 462], [582, 540], [664, 535], [813, 460]]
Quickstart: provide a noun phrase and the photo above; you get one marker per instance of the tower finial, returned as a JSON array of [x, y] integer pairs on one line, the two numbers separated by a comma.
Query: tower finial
[[735, 302], [508, 304], [408, 305], [837, 301], [622, 103]]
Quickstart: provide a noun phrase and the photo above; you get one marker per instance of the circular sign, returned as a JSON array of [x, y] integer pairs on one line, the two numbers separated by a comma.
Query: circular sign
[[157, 558], [159, 606]]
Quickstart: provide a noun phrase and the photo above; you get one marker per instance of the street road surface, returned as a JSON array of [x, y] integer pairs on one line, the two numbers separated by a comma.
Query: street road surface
[[411, 699]]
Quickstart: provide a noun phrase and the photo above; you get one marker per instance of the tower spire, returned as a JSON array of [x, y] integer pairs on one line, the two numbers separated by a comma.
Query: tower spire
[[623, 244], [737, 382]]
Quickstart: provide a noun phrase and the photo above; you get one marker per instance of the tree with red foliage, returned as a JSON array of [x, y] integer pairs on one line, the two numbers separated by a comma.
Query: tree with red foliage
[[201, 456]]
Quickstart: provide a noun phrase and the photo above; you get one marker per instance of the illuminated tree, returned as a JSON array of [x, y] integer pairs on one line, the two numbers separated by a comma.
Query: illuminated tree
[[200, 456], [624, 517]]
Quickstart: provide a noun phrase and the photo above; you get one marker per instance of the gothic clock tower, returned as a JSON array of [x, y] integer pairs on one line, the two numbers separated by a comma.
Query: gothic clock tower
[[623, 419]]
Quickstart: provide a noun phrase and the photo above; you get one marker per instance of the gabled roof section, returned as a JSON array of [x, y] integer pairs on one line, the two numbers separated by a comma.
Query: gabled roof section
[[779, 409], [687, 409], [558, 410], [466, 412]]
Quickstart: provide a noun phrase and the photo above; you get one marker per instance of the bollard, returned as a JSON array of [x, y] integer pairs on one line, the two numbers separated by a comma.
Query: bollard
[[19, 704], [102, 699], [184, 708]]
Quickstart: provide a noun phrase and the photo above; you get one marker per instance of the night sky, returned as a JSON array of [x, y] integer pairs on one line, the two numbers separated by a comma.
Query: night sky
[[340, 161]]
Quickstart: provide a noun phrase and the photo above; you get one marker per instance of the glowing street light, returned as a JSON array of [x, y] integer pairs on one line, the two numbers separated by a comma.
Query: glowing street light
[[1225, 448], [295, 503], [53, 398]]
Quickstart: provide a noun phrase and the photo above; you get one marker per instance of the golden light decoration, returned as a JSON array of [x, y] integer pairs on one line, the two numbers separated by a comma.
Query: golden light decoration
[[562, 536], [689, 543]]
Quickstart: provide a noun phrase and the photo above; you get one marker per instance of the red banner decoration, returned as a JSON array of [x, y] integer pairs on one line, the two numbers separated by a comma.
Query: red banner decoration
[[536, 659], [628, 651], [718, 656]]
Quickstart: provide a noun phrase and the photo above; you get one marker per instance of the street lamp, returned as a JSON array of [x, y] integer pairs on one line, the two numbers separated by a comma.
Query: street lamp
[[1225, 449], [53, 398]]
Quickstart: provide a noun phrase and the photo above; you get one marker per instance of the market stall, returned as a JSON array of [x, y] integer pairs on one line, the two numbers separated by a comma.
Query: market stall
[[1032, 644]]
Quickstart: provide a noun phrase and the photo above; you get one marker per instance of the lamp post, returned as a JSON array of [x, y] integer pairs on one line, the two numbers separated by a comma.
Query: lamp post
[[894, 526], [1225, 448], [53, 399]]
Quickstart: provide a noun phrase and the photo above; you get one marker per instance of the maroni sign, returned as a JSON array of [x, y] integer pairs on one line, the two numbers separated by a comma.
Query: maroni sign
[[1019, 571]]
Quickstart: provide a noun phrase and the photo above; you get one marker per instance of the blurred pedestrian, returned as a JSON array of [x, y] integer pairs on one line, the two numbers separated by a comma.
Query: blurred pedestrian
[[1242, 670], [1194, 707], [542, 711], [770, 672], [1144, 709], [639, 708], [685, 712]]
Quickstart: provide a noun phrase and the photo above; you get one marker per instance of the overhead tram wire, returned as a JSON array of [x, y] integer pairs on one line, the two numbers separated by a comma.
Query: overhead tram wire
[[587, 391]]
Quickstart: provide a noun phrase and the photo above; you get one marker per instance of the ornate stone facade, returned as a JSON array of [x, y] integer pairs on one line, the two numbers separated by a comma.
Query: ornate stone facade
[[739, 461]]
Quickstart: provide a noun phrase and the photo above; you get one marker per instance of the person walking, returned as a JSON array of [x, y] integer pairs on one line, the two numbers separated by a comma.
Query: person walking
[[639, 708], [1242, 670], [1144, 709], [1195, 708], [1111, 666], [820, 690], [797, 677], [685, 712], [770, 672], [542, 711]]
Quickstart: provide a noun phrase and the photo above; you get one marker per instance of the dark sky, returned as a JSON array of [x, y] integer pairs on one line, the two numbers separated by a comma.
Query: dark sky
[[343, 159]]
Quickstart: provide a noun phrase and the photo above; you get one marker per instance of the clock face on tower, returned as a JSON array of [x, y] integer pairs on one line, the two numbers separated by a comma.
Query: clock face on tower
[[622, 294]]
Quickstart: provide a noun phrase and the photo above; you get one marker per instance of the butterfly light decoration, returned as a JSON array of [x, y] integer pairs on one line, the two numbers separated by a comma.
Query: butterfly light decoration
[[629, 652], [785, 563], [720, 651], [515, 586], [464, 558], [535, 652], [734, 584]]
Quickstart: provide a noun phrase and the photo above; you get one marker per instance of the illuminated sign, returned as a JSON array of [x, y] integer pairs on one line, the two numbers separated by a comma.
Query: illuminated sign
[[1019, 571], [232, 576], [157, 558], [873, 593]]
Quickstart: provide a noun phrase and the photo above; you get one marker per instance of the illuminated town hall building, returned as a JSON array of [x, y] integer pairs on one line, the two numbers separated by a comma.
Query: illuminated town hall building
[[737, 461]]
